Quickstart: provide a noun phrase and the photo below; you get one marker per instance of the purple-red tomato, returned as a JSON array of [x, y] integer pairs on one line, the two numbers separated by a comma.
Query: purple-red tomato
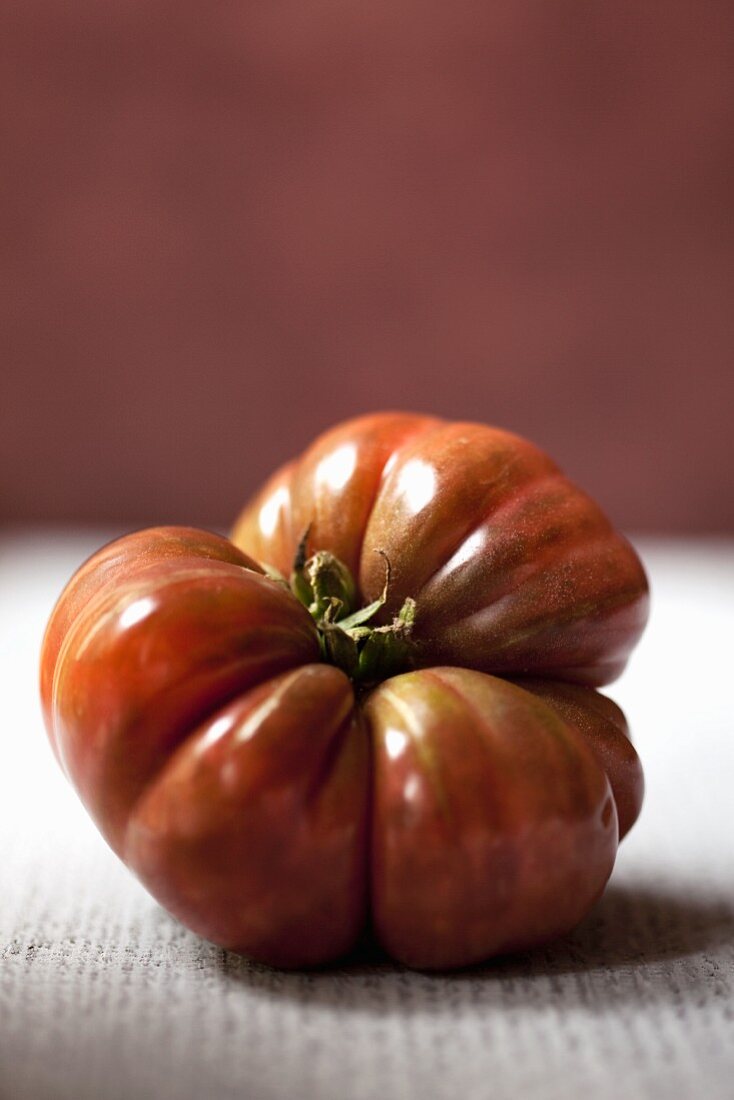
[[303, 731]]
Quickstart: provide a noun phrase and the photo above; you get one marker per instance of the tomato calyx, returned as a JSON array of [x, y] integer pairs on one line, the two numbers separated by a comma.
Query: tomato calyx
[[326, 588], [322, 583], [369, 654]]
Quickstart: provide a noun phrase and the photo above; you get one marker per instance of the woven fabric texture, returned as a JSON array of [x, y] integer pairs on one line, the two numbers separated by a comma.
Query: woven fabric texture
[[102, 995]]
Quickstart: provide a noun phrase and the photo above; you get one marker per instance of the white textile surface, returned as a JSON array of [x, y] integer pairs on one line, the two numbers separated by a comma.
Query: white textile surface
[[102, 995]]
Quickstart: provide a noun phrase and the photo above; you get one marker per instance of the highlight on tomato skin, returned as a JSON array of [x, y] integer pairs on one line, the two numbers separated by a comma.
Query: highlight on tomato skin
[[271, 736]]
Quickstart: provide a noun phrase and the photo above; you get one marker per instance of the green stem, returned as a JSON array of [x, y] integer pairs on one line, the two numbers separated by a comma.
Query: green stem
[[367, 654]]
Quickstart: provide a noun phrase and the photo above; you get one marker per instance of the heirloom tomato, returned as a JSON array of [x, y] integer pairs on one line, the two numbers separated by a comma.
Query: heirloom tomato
[[373, 708]]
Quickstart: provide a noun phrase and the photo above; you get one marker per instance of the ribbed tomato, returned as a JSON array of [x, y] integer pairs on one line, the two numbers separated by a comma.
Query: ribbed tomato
[[281, 776]]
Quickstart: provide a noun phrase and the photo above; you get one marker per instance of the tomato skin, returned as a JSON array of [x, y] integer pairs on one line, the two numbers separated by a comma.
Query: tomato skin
[[330, 489], [254, 834], [151, 654], [514, 570], [494, 824], [113, 563], [604, 727]]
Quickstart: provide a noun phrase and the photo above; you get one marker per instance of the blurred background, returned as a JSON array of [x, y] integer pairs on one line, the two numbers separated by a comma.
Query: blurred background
[[227, 226]]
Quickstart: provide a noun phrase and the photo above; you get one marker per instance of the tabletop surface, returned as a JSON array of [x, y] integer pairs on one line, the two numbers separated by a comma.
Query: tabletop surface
[[102, 995]]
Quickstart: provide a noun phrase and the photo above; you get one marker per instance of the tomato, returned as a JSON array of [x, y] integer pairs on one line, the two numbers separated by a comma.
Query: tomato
[[371, 708]]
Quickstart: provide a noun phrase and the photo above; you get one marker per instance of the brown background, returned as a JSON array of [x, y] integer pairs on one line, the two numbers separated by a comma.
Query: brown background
[[227, 225]]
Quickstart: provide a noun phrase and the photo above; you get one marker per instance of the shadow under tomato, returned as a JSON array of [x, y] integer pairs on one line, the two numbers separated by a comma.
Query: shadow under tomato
[[637, 942]]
